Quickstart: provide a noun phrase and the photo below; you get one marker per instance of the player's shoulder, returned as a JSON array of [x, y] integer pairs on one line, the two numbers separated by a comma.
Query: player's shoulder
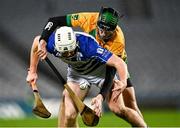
[[83, 35], [90, 13], [84, 14], [119, 34], [86, 42], [119, 29]]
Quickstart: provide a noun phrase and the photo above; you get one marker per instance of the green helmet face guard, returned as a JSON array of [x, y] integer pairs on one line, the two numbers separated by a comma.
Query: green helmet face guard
[[108, 19]]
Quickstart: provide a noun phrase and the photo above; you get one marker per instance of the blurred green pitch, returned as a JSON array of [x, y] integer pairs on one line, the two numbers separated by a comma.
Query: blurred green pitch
[[154, 118]]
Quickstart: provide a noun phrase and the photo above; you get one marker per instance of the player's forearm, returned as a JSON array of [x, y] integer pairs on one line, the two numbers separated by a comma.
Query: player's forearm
[[52, 24], [120, 66], [110, 73], [34, 59]]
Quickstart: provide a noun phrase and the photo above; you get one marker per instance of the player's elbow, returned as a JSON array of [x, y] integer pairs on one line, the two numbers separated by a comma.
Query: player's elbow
[[119, 63], [35, 43], [36, 40]]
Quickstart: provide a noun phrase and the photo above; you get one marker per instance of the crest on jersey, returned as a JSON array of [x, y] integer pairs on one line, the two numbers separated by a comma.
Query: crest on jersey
[[75, 17]]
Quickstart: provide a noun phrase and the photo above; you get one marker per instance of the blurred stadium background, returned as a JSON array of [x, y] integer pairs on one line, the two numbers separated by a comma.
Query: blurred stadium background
[[152, 32]]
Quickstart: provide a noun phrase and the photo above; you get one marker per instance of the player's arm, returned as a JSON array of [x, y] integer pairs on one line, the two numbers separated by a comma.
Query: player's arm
[[34, 60], [74, 20], [110, 73], [120, 66], [107, 57], [115, 63], [110, 59], [52, 24]]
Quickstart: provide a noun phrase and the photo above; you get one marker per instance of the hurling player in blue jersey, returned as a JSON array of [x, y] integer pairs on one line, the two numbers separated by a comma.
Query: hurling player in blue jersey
[[86, 65]]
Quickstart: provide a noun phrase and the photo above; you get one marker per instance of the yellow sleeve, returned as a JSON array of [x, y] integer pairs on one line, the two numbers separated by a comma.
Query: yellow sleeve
[[86, 21]]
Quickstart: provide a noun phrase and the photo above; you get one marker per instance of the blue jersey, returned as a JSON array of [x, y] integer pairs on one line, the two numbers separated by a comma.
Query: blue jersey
[[89, 54]]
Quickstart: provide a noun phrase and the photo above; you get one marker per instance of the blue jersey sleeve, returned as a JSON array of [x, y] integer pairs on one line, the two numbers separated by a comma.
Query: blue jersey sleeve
[[102, 54], [50, 43], [90, 48]]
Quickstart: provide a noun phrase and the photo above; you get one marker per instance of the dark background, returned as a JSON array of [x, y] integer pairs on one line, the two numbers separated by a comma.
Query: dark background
[[151, 29]]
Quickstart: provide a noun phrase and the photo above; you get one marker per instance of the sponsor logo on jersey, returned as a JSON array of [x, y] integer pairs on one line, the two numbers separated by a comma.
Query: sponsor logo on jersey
[[49, 25]]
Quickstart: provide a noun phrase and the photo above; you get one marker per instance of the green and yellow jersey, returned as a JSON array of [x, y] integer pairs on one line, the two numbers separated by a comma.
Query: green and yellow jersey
[[88, 23]]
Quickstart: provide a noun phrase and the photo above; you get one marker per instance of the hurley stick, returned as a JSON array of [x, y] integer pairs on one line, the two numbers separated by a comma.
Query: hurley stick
[[88, 115], [39, 109]]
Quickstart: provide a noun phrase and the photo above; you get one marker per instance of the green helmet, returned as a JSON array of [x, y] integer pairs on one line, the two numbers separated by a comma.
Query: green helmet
[[108, 19]]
